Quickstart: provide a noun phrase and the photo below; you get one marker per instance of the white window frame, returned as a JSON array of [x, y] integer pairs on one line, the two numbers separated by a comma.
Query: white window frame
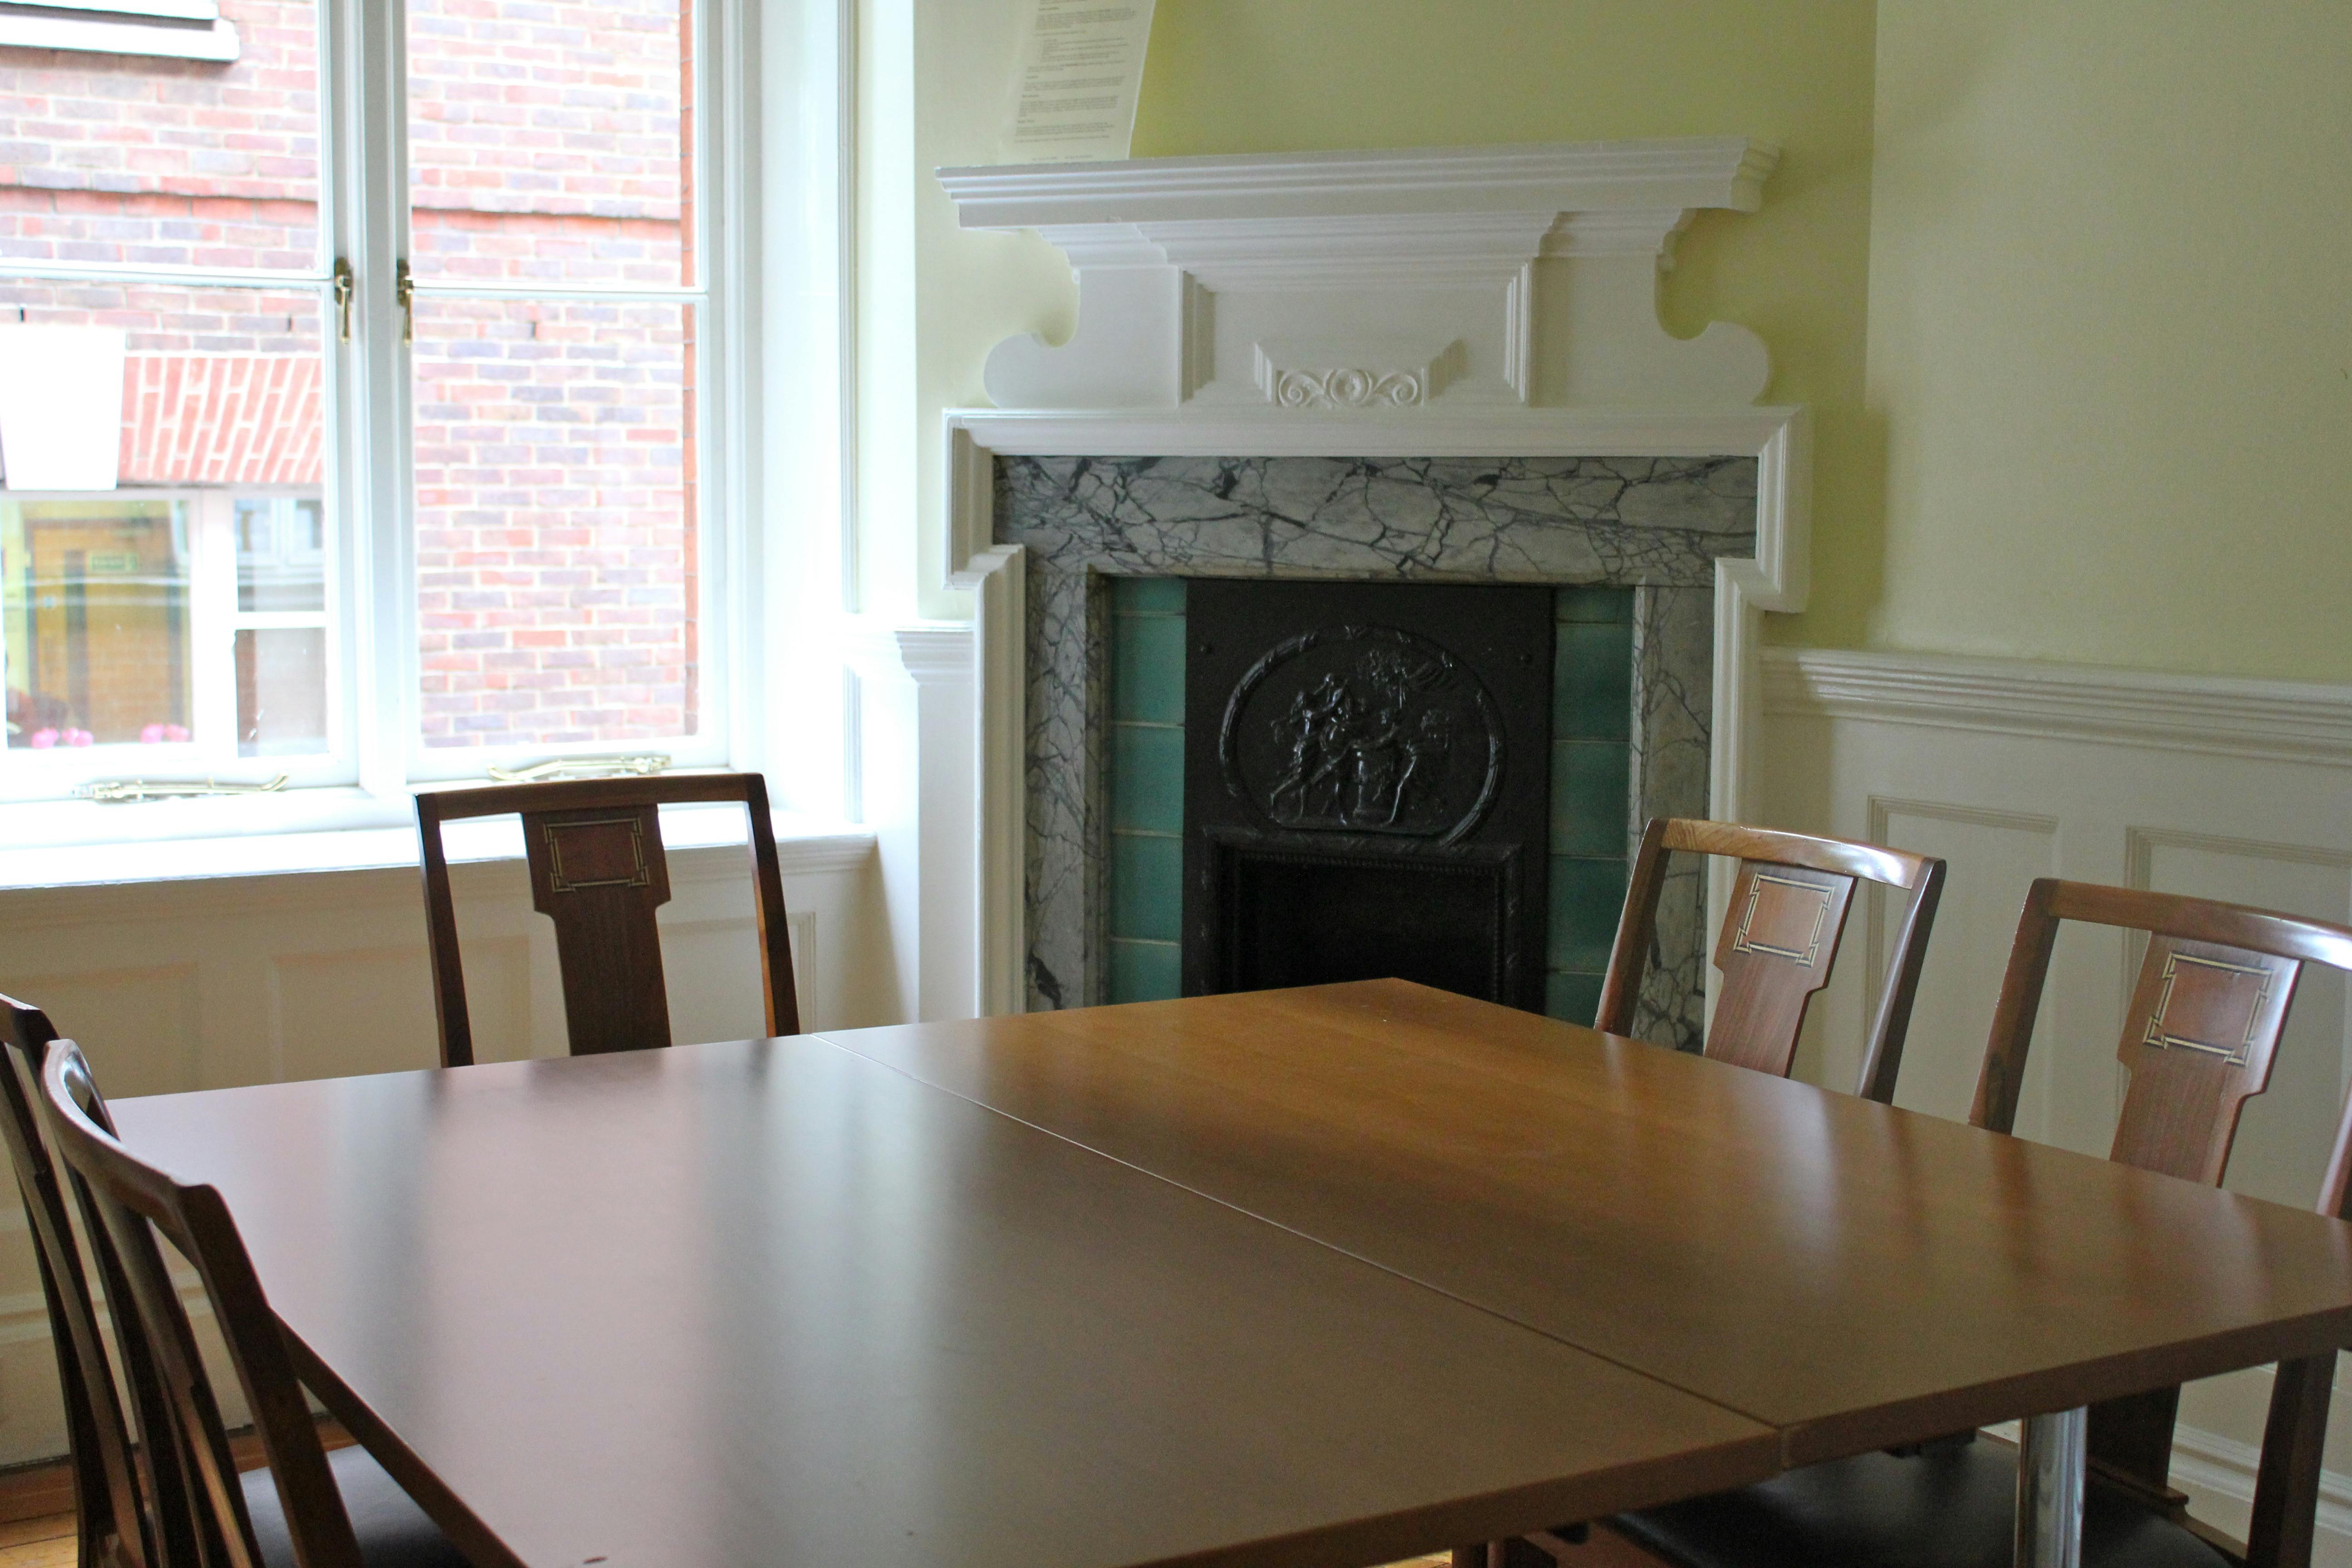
[[374, 663]]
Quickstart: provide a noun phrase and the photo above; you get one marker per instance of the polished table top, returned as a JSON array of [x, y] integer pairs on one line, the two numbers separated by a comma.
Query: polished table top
[[1314, 1277], [771, 1302], [1855, 1275]]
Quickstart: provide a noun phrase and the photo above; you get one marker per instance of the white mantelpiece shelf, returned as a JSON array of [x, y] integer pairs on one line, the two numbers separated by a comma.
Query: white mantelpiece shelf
[[1518, 276], [1584, 176]]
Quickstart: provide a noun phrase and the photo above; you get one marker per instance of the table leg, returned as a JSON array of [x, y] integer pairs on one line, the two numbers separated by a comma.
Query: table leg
[[2050, 1463]]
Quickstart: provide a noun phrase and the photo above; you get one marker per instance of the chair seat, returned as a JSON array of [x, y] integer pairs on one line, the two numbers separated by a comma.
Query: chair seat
[[1945, 1508], [394, 1532]]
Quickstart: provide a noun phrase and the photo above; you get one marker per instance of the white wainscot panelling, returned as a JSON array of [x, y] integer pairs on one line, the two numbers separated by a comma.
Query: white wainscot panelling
[[211, 983], [1988, 856], [2226, 789]]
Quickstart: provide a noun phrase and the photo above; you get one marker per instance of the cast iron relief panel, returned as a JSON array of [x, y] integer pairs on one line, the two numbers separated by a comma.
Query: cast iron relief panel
[[1375, 800], [1352, 728], [1653, 524]]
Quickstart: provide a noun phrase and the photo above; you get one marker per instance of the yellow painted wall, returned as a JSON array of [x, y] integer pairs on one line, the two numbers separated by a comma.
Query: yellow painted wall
[[2111, 335], [943, 70]]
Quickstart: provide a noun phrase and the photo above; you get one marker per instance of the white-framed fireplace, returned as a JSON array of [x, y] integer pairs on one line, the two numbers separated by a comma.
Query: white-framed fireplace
[[1444, 304]]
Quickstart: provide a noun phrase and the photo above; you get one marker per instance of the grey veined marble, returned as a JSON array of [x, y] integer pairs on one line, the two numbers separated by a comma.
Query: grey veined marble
[[1657, 524]]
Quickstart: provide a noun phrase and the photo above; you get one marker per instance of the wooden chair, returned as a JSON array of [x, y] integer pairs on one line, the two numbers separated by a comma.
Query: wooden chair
[[1788, 910], [597, 871], [113, 1526], [2197, 1040], [305, 1510]]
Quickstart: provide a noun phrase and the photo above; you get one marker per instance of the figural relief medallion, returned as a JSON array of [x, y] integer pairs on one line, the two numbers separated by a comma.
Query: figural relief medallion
[[1363, 730]]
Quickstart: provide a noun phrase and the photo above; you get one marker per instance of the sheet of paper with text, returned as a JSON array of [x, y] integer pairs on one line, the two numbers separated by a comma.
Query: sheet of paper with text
[[1075, 83]]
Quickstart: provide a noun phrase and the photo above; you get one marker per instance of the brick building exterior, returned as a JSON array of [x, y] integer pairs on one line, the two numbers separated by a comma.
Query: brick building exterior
[[555, 552]]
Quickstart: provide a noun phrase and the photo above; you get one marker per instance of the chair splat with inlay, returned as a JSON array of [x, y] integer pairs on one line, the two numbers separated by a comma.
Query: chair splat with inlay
[[600, 875], [1788, 905], [2204, 1026], [1774, 953]]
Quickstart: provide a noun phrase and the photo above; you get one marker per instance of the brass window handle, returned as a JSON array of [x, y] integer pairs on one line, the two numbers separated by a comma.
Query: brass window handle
[[403, 287], [343, 289], [126, 791]]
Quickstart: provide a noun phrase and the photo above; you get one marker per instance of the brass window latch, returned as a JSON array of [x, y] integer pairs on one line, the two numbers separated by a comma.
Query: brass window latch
[[120, 792], [582, 768], [403, 287], [345, 287]]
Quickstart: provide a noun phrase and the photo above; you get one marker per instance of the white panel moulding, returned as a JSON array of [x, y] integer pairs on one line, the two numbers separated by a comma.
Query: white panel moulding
[[1539, 262]]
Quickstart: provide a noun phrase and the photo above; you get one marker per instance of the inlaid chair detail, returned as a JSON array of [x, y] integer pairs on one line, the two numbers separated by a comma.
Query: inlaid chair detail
[[2199, 1038], [1789, 904], [598, 871]]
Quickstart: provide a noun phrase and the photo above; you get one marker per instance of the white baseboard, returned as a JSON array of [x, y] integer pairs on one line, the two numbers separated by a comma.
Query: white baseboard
[[2224, 1468]]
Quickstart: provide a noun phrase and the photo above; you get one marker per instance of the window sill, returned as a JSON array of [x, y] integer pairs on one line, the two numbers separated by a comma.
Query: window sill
[[805, 844]]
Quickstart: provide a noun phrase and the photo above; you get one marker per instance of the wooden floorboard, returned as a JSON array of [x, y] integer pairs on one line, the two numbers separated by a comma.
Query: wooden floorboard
[[38, 1542]]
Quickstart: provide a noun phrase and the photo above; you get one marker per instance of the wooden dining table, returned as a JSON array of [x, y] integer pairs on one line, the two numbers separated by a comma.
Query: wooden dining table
[[1329, 1275]]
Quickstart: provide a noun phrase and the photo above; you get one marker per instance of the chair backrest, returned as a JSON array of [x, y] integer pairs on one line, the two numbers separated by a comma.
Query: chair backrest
[[111, 1499], [598, 872], [2199, 1039], [1780, 937], [125, 1204]]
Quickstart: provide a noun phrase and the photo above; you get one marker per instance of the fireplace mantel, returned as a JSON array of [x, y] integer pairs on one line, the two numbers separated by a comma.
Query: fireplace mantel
[[1374, 280], [1483, 302]]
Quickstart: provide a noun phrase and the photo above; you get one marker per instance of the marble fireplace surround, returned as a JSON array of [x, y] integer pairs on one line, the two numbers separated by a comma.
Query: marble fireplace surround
[[1656, 525], [1429, 366]]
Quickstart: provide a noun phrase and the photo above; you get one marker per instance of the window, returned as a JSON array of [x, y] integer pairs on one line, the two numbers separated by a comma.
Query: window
[[354, 422]]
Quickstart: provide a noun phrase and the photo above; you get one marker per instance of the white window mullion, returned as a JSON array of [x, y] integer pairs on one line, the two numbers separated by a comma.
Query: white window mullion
[[379, 588], [727, 219], [212, 628]]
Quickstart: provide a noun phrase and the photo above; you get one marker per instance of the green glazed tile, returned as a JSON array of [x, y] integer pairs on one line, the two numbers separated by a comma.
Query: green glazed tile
[[1587, 896], [1147, 669], [1588, 781], [1147, 778], [1147, 596], [1573, 997], [1145, 970], [1147, 887], [1604, 607], [1592, 683]]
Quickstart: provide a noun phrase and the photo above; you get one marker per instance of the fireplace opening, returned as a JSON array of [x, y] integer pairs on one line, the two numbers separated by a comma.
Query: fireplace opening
[[1300, 917]]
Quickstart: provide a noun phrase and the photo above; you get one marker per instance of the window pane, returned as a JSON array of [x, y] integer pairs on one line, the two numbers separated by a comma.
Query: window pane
[[189, 423], [281, 553], [97, 619], [144, 158], [556, 541], [550, 143], [281, 692]]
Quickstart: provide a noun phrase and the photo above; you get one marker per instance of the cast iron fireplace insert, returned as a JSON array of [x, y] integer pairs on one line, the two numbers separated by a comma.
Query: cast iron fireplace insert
[[1368, 792]]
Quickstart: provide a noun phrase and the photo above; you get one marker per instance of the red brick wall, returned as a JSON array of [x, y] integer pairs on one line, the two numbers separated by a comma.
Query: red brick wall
[[556, 560]]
